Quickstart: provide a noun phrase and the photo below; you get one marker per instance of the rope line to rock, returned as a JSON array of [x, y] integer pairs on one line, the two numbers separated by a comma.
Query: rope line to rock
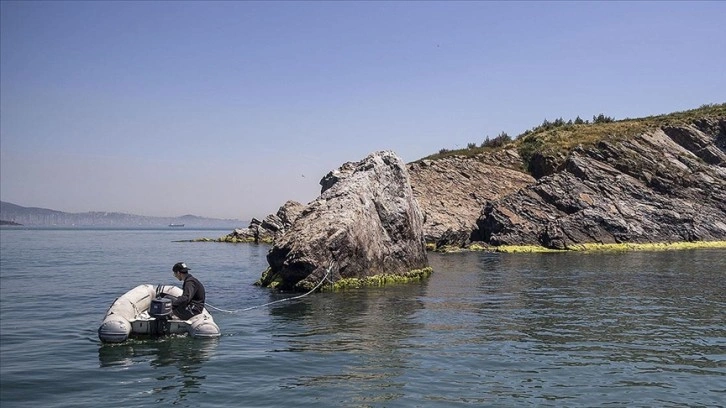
[[322, 280]]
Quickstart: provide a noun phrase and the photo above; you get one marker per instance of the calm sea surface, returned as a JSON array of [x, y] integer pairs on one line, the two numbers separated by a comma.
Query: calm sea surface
[[644, 329]]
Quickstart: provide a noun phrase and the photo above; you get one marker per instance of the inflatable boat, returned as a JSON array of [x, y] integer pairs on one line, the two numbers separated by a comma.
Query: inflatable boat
[[141, 311]]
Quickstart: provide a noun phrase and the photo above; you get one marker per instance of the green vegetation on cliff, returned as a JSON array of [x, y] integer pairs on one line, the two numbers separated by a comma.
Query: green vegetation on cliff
[[560, 136]]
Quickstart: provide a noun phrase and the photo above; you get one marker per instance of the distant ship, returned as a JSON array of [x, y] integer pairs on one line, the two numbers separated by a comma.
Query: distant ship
[[176, 225]]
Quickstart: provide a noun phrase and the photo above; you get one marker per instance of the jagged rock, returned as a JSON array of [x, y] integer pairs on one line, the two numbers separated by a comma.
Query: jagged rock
[[366, 220], [273, 226], [541, 164], [698, 143], [336, 175], [661, 186], [289, 212], [272, 223], [453, 190]]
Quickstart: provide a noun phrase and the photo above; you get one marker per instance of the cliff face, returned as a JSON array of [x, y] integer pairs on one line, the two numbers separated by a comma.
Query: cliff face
[[452, 191], [667, 184], [660, 179]]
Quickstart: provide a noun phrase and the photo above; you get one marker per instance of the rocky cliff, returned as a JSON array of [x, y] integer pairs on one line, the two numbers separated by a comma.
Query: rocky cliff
[[658, 179], [667, 184], [650, 180], [452, 192]]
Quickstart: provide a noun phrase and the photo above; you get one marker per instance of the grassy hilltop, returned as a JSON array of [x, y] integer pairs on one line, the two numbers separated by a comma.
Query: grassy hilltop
[[560, 136]]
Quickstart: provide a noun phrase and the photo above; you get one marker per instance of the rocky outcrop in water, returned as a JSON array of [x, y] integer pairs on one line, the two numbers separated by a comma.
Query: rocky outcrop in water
[[664, 185], [366, 220]]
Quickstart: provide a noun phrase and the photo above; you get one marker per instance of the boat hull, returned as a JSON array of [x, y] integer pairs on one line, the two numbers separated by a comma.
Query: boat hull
[[129, 316]]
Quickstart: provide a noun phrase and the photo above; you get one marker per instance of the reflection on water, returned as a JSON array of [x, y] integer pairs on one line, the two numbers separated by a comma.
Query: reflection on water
[[185, 354], [552, 320], [370, 325], [497, 325]]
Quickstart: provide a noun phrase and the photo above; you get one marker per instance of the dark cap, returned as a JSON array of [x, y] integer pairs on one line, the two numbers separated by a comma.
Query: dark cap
[[180, 267]]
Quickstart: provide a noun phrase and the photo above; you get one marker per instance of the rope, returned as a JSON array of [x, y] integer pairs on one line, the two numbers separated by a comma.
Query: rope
[[327, 273]]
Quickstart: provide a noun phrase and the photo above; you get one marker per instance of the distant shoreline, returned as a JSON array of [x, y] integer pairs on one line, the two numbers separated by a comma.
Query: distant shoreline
[[44, 217], [112, 228]]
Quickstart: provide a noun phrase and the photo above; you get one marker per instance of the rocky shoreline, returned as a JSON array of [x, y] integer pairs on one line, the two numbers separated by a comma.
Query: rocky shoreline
[[654, 184]]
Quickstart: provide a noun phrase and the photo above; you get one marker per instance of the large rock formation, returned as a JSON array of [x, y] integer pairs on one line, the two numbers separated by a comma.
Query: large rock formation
[[664, 185], [366, 221], [650, 180], [452, 191]]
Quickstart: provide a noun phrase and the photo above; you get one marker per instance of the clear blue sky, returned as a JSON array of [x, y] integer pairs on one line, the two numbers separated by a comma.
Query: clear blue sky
[[229, 109]]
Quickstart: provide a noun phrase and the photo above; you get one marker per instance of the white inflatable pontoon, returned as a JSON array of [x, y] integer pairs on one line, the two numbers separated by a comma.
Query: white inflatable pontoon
[[129, 315]]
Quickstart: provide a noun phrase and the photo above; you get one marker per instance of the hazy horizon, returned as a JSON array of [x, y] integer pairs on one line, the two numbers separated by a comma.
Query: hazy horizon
[[121, 212], [228, 109]]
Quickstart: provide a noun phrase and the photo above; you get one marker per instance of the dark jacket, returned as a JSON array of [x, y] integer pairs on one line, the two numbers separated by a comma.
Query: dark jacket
[[193, 296]]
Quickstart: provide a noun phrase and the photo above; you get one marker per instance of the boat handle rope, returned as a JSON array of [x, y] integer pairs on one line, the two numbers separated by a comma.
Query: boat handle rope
[[325, 278]]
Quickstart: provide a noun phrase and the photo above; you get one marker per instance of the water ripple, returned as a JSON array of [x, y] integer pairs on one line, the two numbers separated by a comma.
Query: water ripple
[[641, 329]]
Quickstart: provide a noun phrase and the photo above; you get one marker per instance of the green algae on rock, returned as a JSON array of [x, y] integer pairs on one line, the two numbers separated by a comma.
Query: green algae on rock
[[598, 247], [416, 275], [656, 246]]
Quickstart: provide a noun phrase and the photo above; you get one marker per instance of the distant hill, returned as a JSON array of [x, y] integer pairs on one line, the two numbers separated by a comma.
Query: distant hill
[[34, 216]]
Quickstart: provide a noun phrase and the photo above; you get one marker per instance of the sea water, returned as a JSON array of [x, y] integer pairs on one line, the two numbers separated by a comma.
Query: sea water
[[628, 329]]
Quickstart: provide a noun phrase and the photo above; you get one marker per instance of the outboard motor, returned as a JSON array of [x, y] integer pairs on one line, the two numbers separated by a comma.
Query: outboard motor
[[160, 309]]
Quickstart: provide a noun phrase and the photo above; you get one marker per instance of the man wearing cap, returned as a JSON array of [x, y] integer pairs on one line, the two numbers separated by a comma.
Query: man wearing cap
[[191, 302]]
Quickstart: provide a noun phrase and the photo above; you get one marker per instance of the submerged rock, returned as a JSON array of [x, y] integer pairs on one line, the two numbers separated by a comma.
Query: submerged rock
[[366, 222]]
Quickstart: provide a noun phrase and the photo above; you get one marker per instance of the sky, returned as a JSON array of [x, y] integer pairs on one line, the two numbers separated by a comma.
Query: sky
[[229, 109]]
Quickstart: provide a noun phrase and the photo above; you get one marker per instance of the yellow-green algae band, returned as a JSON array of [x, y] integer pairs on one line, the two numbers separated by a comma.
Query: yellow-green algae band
[[447, 249], [415, 275], [662, 246], [594, 247]]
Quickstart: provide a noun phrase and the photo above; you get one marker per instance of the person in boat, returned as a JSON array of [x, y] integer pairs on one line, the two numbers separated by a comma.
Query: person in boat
[[191, 302]]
